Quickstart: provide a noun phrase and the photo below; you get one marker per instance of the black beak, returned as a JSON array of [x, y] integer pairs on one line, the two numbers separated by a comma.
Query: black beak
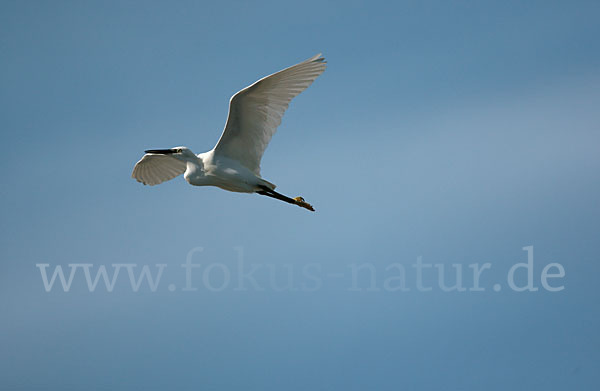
[[160, 151]]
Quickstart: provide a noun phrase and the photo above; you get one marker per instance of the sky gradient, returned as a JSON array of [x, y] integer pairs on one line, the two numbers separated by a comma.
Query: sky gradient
[[458, 132]]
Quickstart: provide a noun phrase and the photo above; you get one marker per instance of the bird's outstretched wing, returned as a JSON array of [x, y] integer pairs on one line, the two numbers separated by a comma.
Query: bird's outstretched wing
[[255, 112], [153, 169]]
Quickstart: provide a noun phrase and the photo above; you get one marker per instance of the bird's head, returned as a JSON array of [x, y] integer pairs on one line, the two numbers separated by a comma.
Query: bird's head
[[180, 153]]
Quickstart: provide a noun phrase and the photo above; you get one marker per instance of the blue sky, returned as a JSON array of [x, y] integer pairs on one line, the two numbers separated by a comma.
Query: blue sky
[[458, 132]]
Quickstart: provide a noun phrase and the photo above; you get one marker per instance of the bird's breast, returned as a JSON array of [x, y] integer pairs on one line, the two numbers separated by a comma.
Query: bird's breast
[[195, 175]]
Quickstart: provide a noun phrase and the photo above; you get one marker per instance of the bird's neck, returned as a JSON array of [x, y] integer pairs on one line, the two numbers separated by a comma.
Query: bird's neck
[[194, 170]]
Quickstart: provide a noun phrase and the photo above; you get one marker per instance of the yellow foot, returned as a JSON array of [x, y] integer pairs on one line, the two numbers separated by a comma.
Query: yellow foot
[[300, 202]]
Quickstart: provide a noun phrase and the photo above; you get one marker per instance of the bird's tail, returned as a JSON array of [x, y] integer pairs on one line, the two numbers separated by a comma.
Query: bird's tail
[[268, 184]]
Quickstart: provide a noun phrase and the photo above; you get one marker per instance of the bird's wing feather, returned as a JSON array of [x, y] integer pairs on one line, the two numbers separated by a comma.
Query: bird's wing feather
[[255, 112], [153, 169]]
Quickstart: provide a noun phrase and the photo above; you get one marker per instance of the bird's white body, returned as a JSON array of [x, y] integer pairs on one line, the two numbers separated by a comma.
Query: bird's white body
[[213, 169], [233, 164]]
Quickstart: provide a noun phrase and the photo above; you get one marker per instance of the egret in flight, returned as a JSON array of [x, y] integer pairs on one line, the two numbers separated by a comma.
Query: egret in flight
[[234, 163]]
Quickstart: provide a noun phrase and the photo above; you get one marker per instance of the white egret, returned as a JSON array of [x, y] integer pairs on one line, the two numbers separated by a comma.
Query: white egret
[[234, 163]]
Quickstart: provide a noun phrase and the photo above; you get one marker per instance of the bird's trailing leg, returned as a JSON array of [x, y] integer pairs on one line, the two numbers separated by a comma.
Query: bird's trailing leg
[[296, 201]]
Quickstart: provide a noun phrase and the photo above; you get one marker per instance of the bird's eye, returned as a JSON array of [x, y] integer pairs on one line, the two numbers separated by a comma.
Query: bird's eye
[[179, 150]]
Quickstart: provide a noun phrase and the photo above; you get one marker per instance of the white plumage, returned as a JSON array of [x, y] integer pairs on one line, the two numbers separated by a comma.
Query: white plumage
[[153, 169], [234, 163]]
